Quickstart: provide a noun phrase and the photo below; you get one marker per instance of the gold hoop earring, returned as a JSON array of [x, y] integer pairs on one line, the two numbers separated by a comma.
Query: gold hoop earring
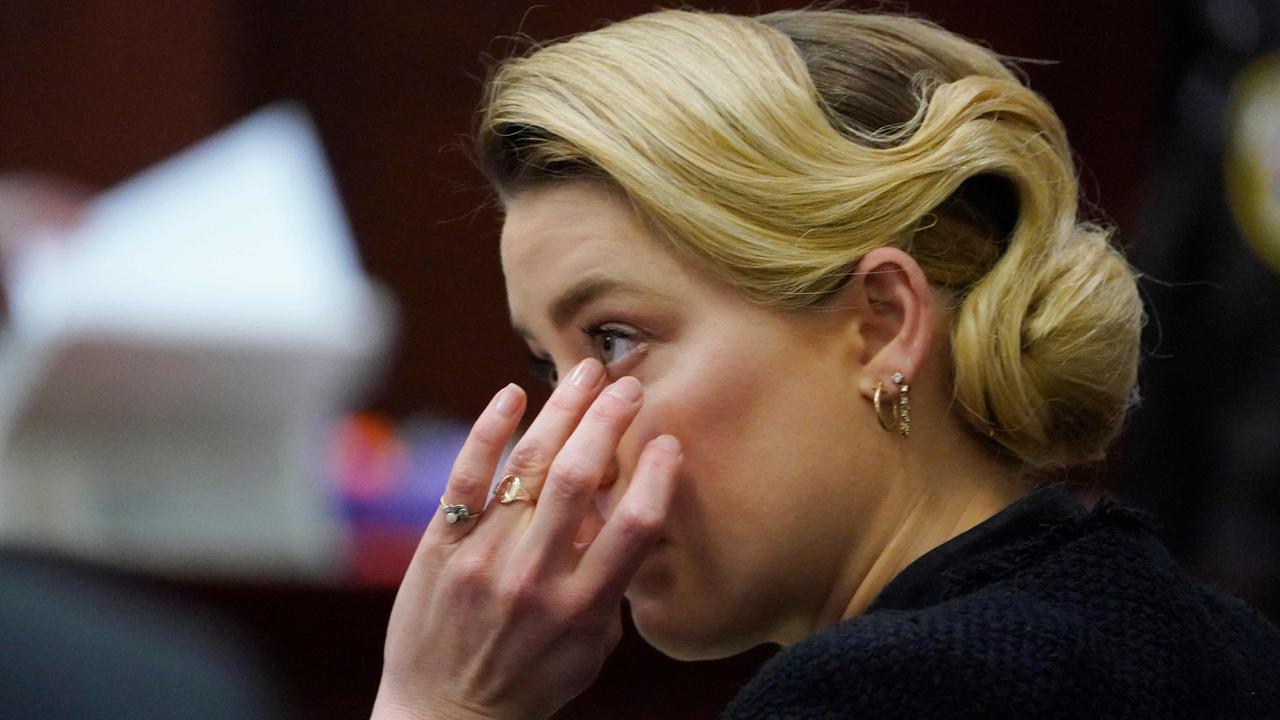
[[875, 401]]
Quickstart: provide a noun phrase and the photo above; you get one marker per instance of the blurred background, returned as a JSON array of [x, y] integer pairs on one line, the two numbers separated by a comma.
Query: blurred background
[[1172, 108]]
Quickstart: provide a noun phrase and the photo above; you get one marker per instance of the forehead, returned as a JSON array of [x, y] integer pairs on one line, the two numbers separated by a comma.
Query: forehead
[[548, 224], [556, 236]]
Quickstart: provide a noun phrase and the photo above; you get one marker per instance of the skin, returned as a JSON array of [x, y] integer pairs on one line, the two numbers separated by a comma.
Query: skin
[[743, 492]]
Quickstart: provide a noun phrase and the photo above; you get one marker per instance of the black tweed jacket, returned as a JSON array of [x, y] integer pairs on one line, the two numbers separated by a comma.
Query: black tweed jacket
[[1044, 611]]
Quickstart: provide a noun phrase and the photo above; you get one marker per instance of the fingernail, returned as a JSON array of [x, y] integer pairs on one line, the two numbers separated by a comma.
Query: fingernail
[[587, 373], [627, 388], [668, 443], [507, 401]]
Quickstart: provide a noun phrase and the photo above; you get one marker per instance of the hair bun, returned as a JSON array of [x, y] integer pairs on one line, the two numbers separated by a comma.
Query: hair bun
[[1046, 349]]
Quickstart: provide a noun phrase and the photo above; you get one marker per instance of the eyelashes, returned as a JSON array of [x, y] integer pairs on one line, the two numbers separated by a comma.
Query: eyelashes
[[611, 343], [543, 370]]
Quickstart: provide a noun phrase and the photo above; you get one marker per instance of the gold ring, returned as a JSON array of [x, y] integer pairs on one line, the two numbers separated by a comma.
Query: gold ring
[[512, 490]]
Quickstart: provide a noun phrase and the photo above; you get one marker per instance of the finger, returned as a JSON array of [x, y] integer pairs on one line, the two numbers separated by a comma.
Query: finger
[[532, 455], [472, 471], [575, 474], [636, 523]]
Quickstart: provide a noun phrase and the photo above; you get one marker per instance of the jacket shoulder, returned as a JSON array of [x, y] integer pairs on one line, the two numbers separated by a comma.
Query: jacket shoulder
[[958, 660], [1100, 622]]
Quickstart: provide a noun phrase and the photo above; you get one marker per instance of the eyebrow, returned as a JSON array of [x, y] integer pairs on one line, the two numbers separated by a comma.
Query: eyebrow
[[568, 303]]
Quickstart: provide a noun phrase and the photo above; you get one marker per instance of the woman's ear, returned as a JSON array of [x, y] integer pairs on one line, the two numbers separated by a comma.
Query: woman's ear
[[896, 317]]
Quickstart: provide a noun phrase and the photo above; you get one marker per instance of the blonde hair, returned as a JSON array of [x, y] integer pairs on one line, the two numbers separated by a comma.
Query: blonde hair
[[776, 151]]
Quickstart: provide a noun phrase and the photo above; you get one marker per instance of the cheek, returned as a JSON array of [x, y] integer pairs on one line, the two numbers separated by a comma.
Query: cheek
[[766, 434], [737, 397], [720, 403], [765, 424], [694, 400]]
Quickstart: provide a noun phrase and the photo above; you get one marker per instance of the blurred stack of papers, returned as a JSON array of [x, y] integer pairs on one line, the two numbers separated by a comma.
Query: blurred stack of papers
[[169, 369]]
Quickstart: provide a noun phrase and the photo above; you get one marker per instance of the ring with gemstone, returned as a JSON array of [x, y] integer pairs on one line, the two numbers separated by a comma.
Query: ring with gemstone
[[510, 490], [454, 514]]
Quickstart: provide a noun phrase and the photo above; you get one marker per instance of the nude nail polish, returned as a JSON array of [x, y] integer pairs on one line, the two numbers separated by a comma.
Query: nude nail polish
[[586, 374], [508, 400]]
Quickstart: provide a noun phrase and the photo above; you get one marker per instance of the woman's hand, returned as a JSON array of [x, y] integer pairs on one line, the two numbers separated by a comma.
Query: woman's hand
[[505, 615]]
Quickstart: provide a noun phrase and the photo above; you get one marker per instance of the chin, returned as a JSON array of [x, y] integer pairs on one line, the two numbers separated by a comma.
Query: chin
[[679, 632]]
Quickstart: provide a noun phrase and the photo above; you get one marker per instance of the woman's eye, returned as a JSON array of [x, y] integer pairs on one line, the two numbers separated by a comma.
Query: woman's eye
[[543, 369], [612, 343]]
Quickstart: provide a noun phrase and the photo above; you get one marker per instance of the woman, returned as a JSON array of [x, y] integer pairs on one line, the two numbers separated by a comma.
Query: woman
[[820, 312]]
